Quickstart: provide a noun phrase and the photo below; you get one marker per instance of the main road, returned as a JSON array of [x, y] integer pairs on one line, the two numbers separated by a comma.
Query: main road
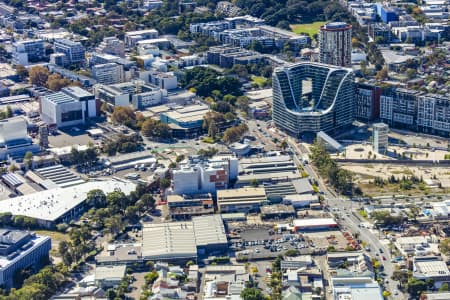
[[345, 208]]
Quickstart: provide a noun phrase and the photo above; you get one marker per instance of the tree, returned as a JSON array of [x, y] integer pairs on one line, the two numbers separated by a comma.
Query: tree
[[111, 294], [252, 294], [234, 134], [212, 129], [21, 71], [444, 246], [242, 103], [400, 276], [209, 152], [151, 277], [38, 75], [416, 287], [123, 115], [444, 287], [13, 168], [147, 201], [117, 201], [28, 159], [283, 144], [414, 211], [55, 82], [164, 183], [96, 198], [155, 129]]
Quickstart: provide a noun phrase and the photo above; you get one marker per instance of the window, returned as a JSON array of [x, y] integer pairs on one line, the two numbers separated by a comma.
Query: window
[[73, 115]]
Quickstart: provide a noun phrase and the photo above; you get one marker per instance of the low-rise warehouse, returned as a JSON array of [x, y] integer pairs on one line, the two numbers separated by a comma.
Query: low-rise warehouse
[[59, 204], [169, 242], [314, 224], [183, 241], [241, 200]]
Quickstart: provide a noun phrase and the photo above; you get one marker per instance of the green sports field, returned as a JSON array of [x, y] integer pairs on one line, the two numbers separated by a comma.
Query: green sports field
[[310, 28]]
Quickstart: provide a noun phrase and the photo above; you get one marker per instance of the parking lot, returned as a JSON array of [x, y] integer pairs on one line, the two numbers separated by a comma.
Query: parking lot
[[263, 243], [69, 138]]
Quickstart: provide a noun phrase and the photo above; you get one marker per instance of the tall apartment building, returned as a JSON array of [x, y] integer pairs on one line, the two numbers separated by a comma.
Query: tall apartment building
[[312, 97], [398, 108], [21, 250], [74, 51], [112, 45], [335, 44], [71, 106], [433, 114], [380, 137], [27, 51], [110, 73], [367, 101], [132, 37]]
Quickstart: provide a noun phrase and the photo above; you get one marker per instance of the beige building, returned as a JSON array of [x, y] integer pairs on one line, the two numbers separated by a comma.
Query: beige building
[[247, 199]]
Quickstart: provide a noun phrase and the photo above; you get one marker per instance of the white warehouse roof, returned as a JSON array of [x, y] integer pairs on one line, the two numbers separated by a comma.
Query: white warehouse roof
[[51, 204], [314, 222]]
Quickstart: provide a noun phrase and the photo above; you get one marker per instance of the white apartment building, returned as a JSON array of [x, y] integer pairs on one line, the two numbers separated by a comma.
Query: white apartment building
[[112, 45], [132, 37], [27, 51], [109, 73], [74, 51]]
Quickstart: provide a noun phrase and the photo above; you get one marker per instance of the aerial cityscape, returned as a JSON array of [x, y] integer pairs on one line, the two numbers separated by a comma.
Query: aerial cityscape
[[224, 150]]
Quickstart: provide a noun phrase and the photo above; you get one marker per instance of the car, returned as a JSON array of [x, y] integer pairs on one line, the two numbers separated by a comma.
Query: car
[[384, 257], [381, 250], [367, 248], [396, 292], [256, 250]]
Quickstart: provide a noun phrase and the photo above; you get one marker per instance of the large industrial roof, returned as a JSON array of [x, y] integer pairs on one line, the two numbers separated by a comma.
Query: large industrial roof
[[209, 230], [51, 204], [178, 240], [168, 241]]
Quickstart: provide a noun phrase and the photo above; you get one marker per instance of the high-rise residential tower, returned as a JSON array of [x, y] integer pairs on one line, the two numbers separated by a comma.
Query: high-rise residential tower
[[312, 97], [335, 43]]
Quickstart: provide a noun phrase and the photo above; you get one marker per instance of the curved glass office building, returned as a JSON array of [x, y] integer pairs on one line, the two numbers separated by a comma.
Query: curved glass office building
[[311, 97]]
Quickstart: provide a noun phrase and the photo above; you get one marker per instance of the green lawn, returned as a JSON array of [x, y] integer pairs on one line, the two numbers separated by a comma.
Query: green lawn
[[260, 81], [310, 28]]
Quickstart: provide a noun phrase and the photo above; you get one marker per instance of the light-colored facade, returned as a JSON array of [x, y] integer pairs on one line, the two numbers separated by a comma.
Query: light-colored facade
[[74, 51], [312, 97], [137, 93], [71, 106], [112, 45], [110, 73], [398, 108], [433, 114], [335, 44], [62, 110], [25, 52], [163, 80], [132, 37], [21, 250], [247, 199], [380, 137]]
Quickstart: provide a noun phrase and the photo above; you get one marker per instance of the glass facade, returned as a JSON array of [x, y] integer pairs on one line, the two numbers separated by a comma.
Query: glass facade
[[331, 98]]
